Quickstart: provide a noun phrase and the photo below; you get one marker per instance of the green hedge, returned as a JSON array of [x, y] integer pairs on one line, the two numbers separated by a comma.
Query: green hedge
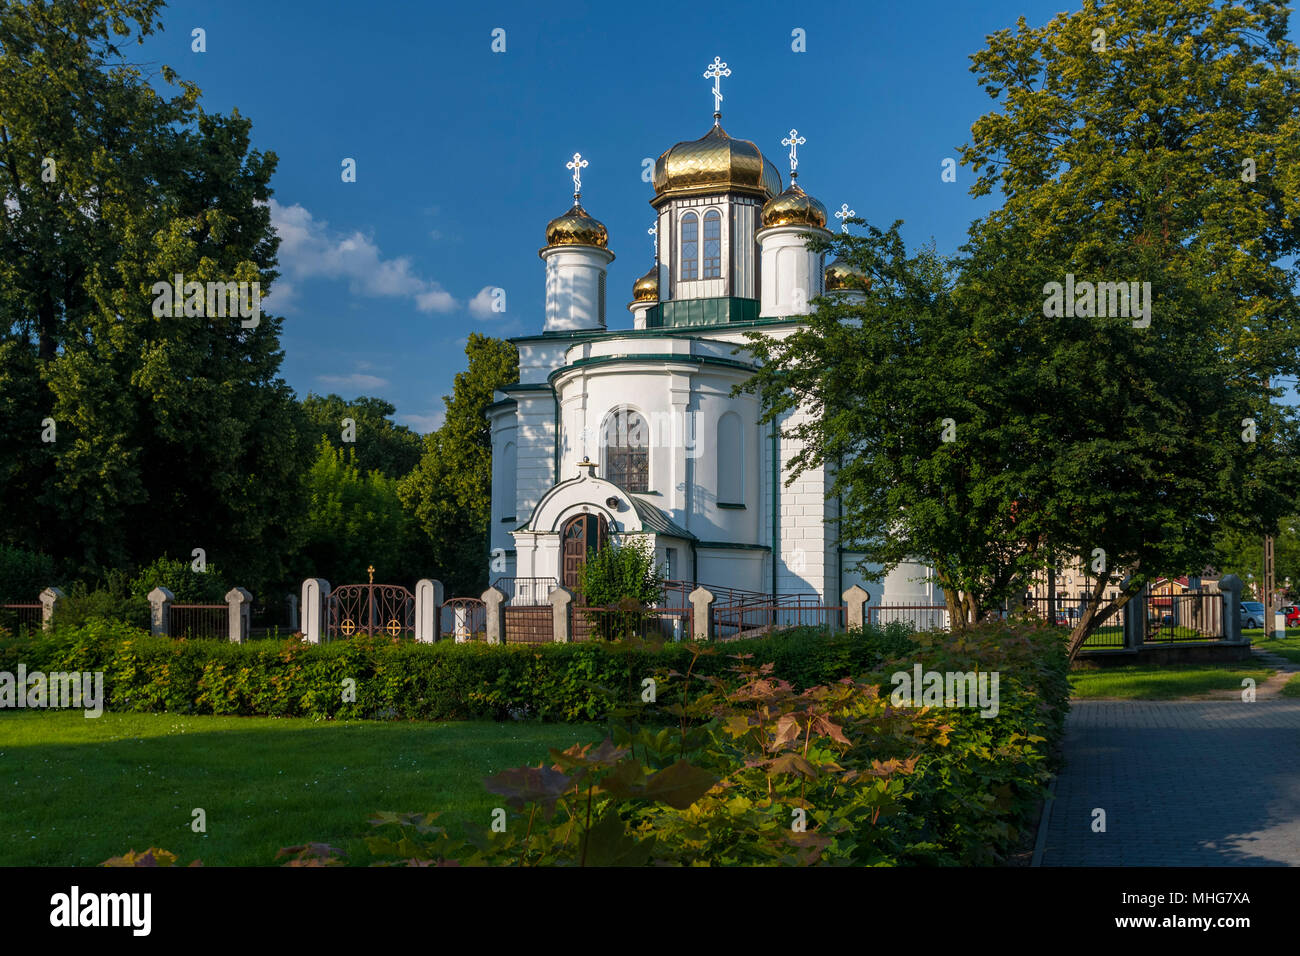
[[444, 681]]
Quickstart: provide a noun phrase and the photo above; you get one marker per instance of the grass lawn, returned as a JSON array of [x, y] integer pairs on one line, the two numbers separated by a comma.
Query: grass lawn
[[1292, 687], [1163, 682], [76, 791], [1288, 647]]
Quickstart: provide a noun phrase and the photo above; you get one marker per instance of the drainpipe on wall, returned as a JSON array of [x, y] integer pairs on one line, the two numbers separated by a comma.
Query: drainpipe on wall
[[776, 480], [556, 396]]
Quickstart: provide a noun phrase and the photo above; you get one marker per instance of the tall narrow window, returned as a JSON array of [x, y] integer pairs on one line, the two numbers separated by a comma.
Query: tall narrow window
[[690, 246], [731, 461], [506, 477], [627, 450], [712, 244]]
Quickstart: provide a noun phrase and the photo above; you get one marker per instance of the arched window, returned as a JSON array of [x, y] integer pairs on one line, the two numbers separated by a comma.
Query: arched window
[[627, 450], [731, 460], [690, 246], [506, 481], [712, 244]]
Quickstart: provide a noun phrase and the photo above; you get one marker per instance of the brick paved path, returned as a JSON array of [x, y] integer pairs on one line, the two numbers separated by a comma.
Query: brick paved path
[[1183, 783]]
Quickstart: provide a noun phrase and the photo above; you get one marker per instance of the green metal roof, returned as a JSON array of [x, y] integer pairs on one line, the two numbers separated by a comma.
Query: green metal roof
[[655, 520]]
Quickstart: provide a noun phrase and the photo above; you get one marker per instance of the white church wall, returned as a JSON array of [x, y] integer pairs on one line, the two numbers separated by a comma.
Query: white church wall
[[538, 359], [535, 423], [732, 567]]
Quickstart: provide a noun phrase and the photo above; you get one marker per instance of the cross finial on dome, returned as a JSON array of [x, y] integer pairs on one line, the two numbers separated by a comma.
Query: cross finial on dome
[[716, 71], [653, 233], [577, 164], [794, 141], [844, 213]]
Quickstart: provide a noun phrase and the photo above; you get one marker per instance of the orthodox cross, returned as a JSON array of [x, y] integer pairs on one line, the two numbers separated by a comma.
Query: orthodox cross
[[716, 71], [653, 232], [794, 141], [577, 164], [371, 571], [844, 213]]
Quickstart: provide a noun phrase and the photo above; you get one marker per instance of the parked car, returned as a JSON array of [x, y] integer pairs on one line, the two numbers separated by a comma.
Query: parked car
[[1252, 614], [1292, 613]]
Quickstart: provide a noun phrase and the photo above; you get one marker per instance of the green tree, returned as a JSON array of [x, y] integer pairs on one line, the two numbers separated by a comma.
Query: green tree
[[1089, 435], [381, 444], [172, 432], [1241, 552], [449, 491], [354, 519]]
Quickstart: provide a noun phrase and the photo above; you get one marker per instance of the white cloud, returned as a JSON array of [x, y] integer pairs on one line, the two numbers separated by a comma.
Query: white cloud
[[424, 423], [310, 249], [355, 381], [481, 305]]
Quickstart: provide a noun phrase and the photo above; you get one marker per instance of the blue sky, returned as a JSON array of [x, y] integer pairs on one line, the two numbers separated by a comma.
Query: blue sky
[[461, 151]]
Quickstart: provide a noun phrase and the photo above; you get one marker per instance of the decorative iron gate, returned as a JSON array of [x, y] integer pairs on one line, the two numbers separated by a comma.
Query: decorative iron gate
[[371, 609]]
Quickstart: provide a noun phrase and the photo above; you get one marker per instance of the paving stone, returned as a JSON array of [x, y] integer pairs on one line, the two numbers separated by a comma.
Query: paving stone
[[1183, 783]]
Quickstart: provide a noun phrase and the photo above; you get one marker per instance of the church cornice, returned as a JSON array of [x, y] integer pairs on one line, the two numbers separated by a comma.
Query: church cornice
[[677, 331], [665, 357]]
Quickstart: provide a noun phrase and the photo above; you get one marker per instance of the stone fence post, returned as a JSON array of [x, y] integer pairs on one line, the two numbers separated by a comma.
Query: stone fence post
[[315, 592], [1230, 585], [561, 622], [291, 600], [855, 607], [702, 617], [50, 599], [1135, 619], [238, 601], [494, 607], [160, 611], [428, 610]]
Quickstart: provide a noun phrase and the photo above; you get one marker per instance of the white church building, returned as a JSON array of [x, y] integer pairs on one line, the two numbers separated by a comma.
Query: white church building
[[616, 432]]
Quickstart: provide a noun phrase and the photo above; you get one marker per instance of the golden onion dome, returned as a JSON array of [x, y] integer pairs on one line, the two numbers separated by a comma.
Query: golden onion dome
[[576, 228], [714, 163], [794, 207], [842, 275], [646, 288]]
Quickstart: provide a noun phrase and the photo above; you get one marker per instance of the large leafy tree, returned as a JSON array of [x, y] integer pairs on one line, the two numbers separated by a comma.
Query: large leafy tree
[[450, 491], [380, 444], [172, 432], [355, 520], [1120, 157]]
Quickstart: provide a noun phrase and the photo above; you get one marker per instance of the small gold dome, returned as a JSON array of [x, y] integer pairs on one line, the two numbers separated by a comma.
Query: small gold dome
[[842, 275], [715, 163], [794, 207], [576, 228], [646, 288]]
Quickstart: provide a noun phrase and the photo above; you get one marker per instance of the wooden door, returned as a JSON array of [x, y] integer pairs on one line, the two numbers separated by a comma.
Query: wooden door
[[582, 533]]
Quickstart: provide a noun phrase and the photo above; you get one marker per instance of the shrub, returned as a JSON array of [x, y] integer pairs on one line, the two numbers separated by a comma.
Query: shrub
[[760, 773], [621, 571], [407, 680], [179, 577]]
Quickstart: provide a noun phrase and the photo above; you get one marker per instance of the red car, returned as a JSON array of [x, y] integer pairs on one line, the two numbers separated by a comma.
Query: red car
[[1292, 613]]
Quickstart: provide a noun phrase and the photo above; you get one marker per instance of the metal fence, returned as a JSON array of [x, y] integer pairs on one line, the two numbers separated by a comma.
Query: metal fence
[[526, 592], [751, 617], [920, 617], [19, 617], [199, 621], [1191, 616], [463, 619], [620, 623]]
